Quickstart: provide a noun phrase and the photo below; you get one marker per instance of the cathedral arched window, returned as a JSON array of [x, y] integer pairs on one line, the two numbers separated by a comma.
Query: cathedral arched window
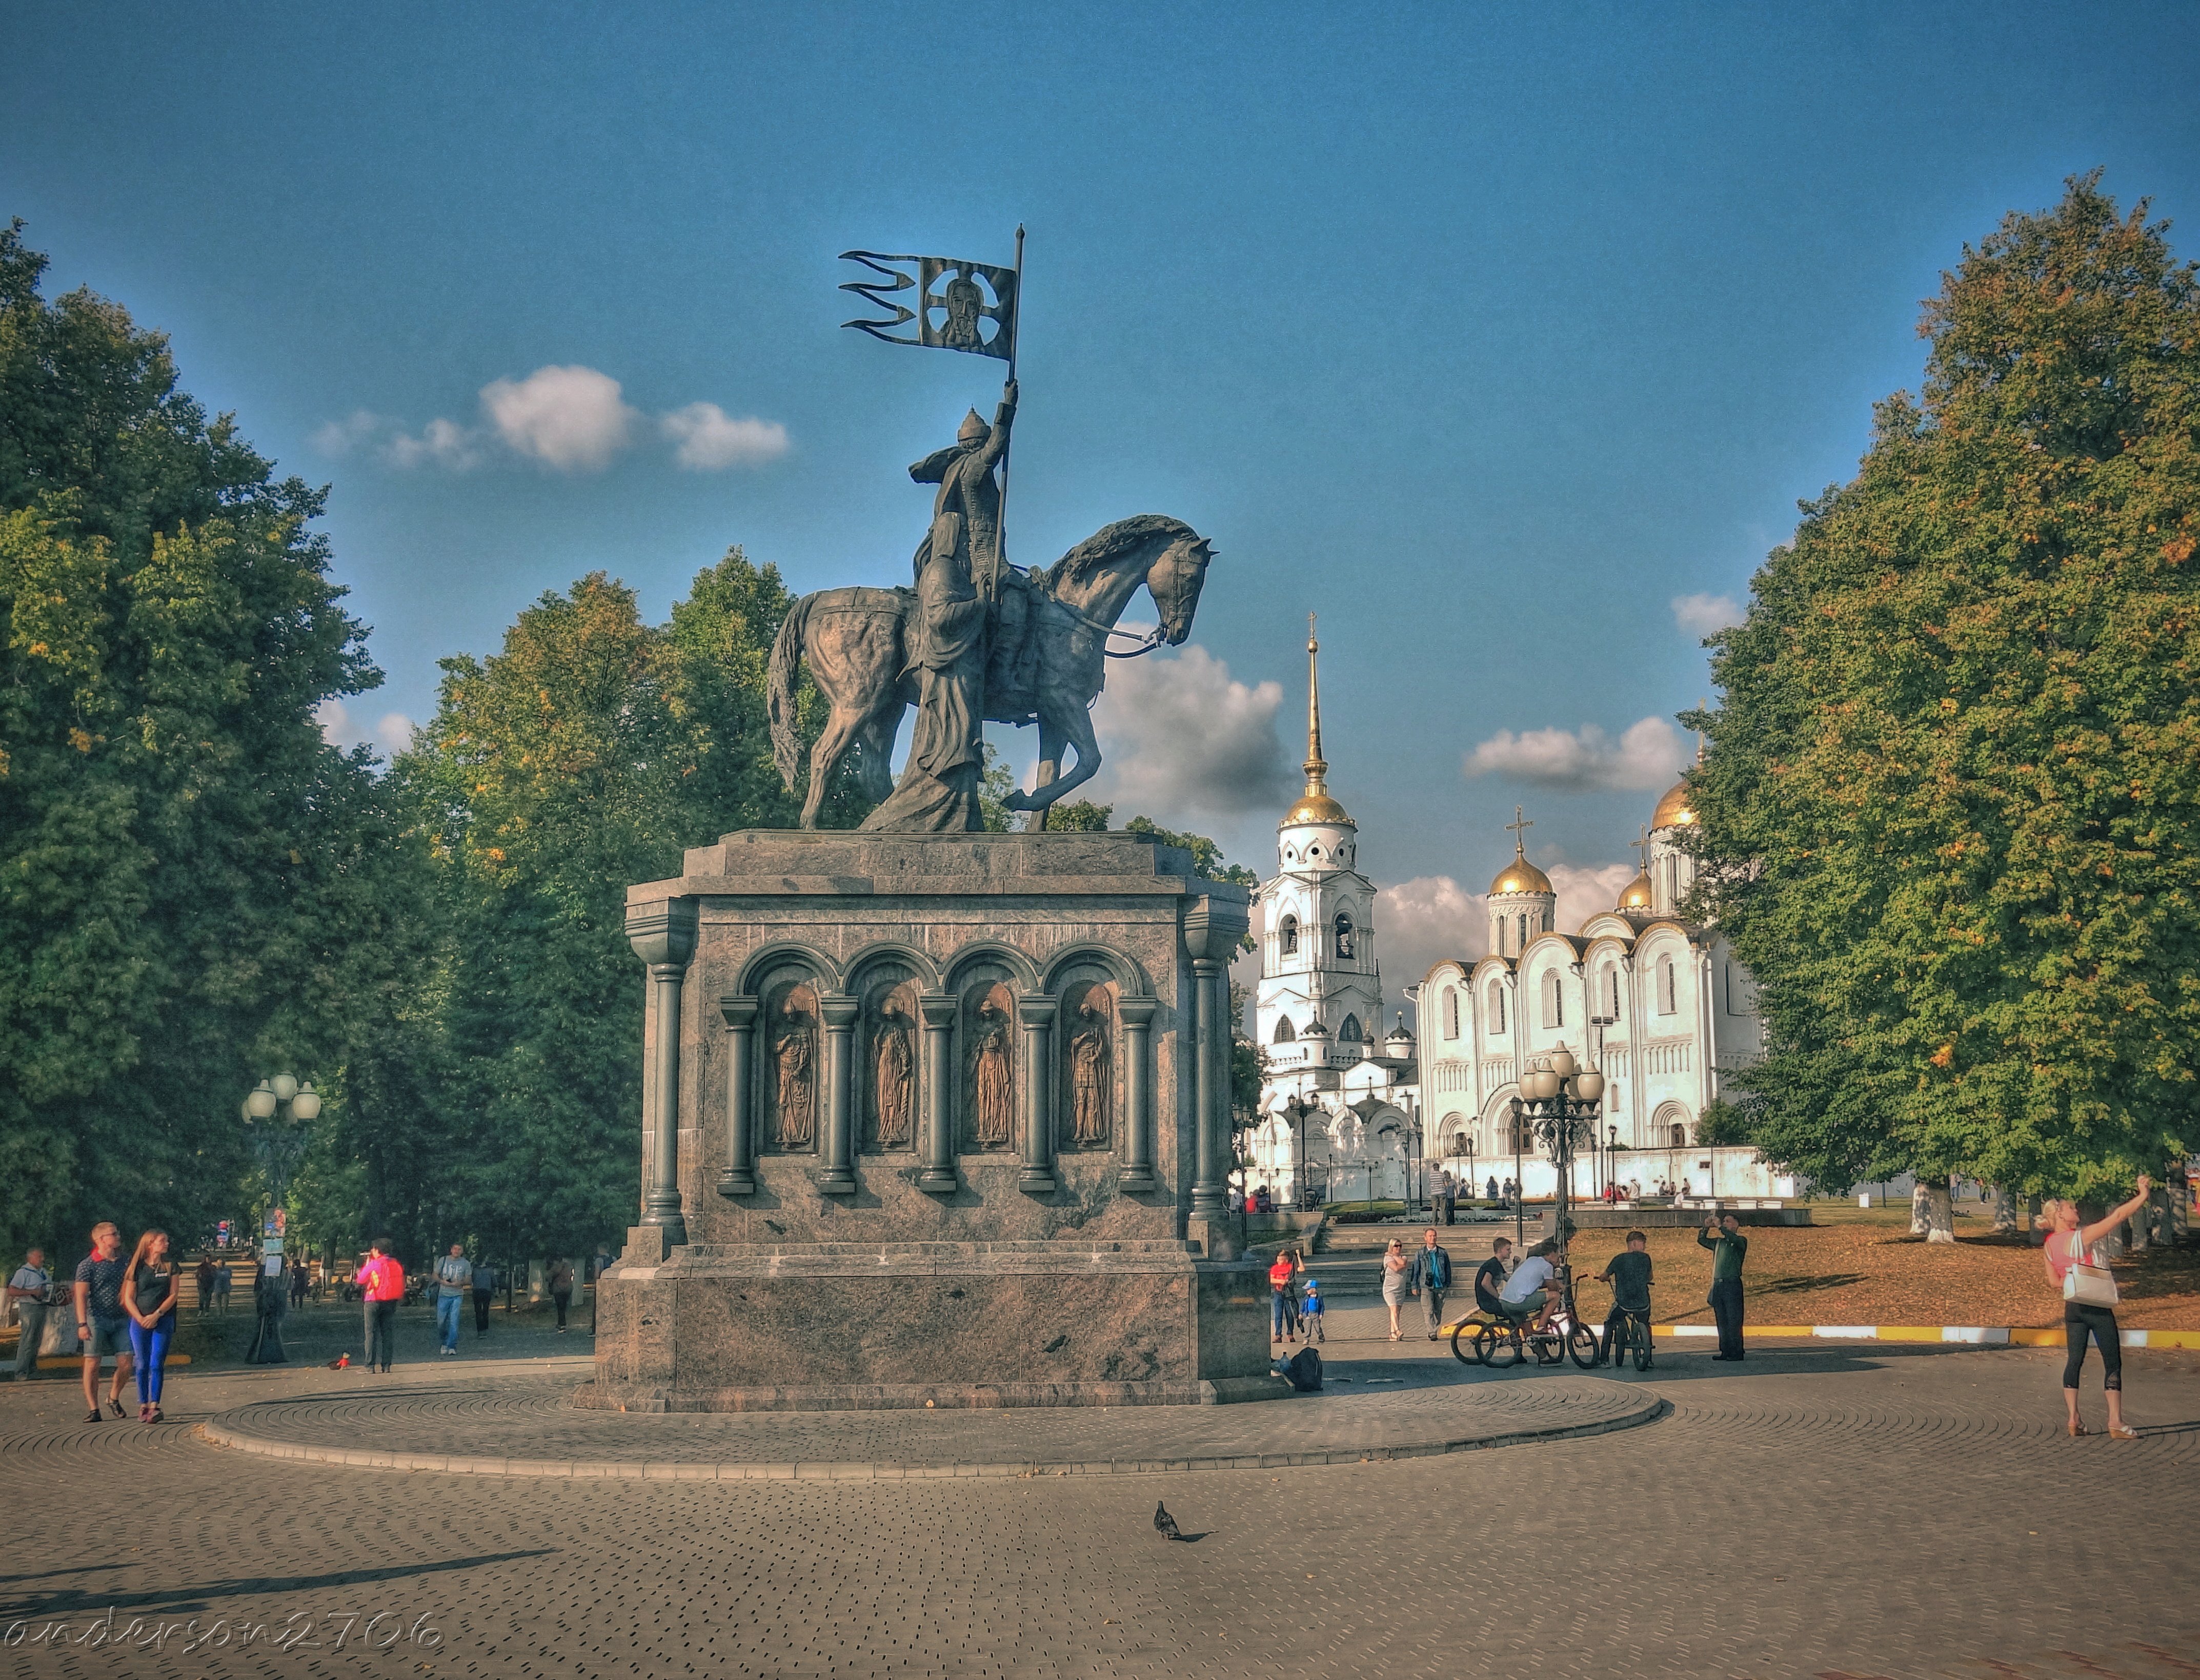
[[1284, 1033], [1680, 1136], [1611, 993], [1349, 1033], [1451, 1012], [1669, 1001], [1554, 1000], [1518, 1138], [1343, 935], [1522, 945], [1288, 935], [1497, 1006]]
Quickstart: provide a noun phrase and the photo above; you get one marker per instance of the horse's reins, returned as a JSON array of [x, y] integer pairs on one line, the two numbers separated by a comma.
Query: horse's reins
[[1146, 644]]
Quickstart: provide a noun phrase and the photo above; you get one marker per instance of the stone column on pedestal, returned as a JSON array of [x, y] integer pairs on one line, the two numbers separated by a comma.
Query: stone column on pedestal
[[1138, 1017], [839, 1176], [938, 1176], [738, 1177], [1212, 928], [663, 934], [1037, 1015]]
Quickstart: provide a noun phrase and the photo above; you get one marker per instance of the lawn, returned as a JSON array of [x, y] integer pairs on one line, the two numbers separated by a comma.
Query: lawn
[[1864, 1267]]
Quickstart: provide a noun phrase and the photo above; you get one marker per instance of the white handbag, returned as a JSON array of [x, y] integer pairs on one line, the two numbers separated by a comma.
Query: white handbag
[[2084, 1283]]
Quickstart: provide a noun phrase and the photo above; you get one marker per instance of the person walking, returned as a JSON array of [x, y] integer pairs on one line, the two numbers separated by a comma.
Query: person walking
[[561, 1290], [455, 1281], [1431, 1277], [2088, 1302], [484, 1293], [202, 1277], [1397, 1280], [28, 1291], [1730, 1248], [102, 1325], [151, 1300], [381, 1284]]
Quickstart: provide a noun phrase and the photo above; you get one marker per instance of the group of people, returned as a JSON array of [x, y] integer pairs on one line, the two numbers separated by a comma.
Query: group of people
[[125, 1308], [1295, 1309]]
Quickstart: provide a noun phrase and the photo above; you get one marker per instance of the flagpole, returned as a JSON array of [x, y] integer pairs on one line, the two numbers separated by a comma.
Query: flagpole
[[1016, 330]]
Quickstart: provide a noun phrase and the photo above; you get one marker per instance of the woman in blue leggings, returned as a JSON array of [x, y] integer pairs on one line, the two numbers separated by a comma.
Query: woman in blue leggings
[[148, 1290]]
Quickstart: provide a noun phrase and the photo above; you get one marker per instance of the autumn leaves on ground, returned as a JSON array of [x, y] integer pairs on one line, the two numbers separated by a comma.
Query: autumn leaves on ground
[[1858, 1268]]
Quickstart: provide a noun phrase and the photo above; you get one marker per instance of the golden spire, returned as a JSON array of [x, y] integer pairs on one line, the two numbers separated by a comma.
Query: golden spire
[[1315, 766], [1315, 805]]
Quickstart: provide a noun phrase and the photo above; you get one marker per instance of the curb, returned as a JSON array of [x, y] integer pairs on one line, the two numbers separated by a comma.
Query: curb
[[1977, 1335], [215, 1433]]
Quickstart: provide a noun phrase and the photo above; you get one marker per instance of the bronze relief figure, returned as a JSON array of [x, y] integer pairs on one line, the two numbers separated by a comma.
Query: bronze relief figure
[[1089, 1080], [991, 1083], [794, 1054], [891, 1068]]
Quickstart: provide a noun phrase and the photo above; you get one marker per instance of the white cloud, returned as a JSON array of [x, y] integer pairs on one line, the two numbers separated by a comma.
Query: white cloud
[[1706, 615], [1583, 892], [1646, 759], [441, 443], [709, 441], [391, 734], [340, 438], [572, 418], [1182, 741], [1420, 922]]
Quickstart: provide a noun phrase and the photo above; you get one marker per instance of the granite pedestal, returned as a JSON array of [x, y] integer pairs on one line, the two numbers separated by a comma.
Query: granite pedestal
[[933, 1119]]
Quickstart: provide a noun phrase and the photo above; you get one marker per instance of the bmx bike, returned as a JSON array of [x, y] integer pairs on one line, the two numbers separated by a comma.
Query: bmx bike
[[1630, 1335], [1503, 1343]]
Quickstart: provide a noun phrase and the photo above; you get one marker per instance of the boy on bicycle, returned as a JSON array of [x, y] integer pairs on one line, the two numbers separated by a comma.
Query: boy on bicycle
[[1490, 1278], [1629, 1274]]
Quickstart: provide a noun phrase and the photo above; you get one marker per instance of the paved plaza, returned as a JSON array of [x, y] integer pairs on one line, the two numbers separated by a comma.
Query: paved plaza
[[1819, 1511]]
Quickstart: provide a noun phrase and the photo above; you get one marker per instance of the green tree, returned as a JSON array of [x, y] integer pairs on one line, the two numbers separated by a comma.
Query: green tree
[[175, 836], [1948, 814], [585, 756]]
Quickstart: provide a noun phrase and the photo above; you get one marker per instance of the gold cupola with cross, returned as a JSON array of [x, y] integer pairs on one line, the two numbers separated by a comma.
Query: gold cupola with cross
[[1522, 902]]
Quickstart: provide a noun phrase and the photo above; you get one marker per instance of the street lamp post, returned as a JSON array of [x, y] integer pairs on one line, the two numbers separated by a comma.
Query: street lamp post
[[279, 1147], [1560, 1101]]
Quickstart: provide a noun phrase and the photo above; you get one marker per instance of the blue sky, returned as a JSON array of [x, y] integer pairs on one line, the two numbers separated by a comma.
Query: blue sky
[[1488, 332]]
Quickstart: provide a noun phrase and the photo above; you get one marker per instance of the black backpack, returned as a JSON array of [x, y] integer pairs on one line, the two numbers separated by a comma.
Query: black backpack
[[1304, 1370]]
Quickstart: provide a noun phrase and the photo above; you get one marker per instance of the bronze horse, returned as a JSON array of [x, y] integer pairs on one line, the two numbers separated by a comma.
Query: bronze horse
[[853, 638]]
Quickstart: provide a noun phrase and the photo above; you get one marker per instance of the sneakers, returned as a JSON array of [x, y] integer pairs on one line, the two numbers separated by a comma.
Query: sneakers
[[450, 1352]]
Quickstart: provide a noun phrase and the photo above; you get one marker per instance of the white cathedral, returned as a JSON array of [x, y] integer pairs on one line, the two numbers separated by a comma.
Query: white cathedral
[[1657, 1002]]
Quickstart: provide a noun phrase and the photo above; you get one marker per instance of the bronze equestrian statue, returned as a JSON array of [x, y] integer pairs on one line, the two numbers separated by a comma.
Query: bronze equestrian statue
[[976, 640]]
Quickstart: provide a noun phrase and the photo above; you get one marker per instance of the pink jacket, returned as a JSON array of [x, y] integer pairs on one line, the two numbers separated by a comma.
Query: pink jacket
[[382, 1280]]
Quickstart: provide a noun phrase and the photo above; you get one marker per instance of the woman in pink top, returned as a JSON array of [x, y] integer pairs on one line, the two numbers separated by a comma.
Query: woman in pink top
[[382, 1281], [2068, 1244]]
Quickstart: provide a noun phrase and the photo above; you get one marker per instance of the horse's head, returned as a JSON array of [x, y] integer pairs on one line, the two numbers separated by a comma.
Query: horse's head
[[1174, 581]]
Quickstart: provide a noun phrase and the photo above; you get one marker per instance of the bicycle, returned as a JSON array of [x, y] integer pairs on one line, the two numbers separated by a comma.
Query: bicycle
[[1631, 1332], [1503, 1342]]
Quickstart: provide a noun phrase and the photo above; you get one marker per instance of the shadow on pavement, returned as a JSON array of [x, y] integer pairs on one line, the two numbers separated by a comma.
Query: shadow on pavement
[[31, 1607]]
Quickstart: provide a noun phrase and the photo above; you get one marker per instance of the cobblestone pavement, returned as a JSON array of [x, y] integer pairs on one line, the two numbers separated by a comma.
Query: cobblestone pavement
[[499, 1427], [1821, 1512]]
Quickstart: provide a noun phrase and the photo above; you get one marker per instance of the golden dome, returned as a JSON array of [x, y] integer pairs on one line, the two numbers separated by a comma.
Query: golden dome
[[1319, 807], [1520, 876], [1637, 896], [1673, 810]]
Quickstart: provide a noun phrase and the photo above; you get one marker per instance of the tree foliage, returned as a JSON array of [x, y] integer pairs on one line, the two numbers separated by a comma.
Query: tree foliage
[[181, 854], [1948, 814]]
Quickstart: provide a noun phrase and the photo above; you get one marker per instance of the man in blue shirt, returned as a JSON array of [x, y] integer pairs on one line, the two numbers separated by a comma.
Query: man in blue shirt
[[1429, 1278], [102, 1327]]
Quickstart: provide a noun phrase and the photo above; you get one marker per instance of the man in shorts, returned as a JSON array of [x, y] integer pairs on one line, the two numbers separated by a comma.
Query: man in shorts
[[102, 1328], [1525, 1294]]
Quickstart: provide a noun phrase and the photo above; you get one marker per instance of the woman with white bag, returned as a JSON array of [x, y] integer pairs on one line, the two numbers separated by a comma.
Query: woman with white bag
[[2089, 1301]]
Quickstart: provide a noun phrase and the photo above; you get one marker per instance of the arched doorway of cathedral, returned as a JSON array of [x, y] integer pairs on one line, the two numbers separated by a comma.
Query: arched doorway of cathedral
[[1349, 1033], [1669, 1126], [1387, 1163]]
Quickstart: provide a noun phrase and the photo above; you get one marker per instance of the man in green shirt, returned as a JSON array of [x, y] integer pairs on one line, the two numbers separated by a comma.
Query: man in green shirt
[[1723, 1238]]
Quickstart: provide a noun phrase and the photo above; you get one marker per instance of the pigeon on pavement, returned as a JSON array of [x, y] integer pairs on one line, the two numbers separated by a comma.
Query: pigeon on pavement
[[1165, 1523]]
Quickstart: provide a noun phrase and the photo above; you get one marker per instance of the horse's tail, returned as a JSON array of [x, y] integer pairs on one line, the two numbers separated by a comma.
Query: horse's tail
[[780, 691]]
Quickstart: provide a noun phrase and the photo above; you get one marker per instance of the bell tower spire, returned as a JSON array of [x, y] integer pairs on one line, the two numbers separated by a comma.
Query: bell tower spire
[[1315, 767]]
